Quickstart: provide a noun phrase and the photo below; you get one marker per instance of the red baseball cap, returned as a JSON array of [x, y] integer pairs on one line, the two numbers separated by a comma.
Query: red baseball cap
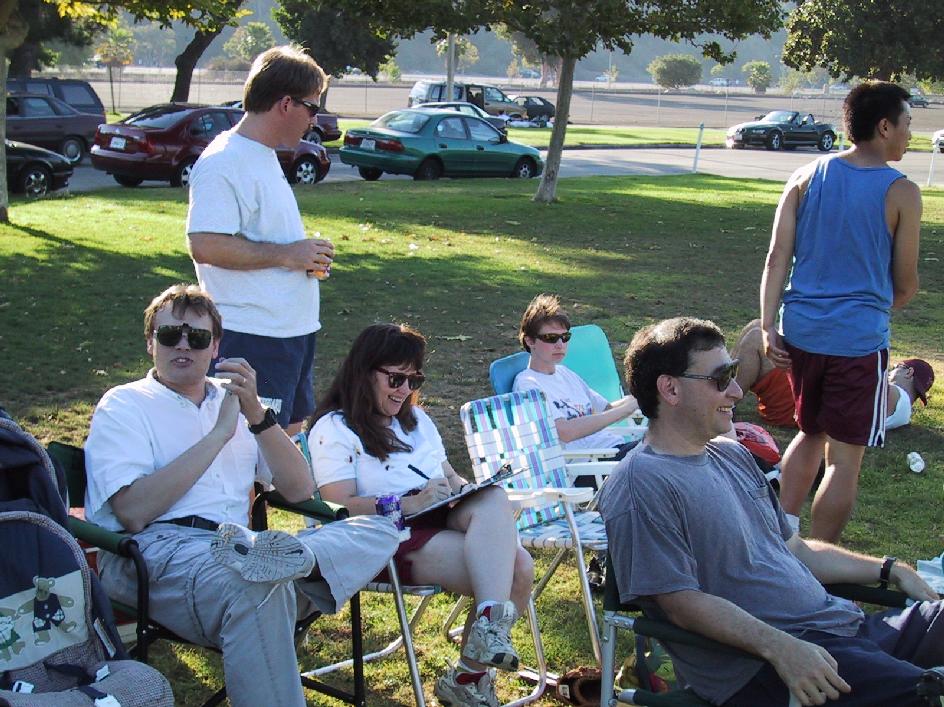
[[923, 376]]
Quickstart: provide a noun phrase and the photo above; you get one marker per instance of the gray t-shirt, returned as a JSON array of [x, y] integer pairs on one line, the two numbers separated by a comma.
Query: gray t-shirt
[[711, 523]]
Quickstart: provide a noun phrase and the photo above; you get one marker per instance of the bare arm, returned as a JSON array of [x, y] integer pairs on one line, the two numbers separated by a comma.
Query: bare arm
[[830, 563], [808, 670], [234, 252], [749, 351], [345, 494], [904, 197], [149, 496], [579, 427]]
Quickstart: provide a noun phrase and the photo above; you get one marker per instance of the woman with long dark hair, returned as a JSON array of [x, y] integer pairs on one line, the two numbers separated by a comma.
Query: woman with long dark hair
[[369, 438]]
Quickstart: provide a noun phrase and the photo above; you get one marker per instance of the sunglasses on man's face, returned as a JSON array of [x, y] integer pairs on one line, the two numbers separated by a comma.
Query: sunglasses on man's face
[[553, 338], [312, 108], [395, 380], [722, 377], [171, 334]]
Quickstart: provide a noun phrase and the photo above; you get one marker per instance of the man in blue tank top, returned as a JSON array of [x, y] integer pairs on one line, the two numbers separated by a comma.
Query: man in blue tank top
[[848, 224]]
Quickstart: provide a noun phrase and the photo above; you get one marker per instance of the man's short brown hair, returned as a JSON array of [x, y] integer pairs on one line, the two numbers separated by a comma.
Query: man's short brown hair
[[543, 309], [183, 298], [279, 72]]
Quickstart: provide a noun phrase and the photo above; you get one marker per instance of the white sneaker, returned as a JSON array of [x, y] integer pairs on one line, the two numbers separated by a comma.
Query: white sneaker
[[451, 693], [490, 638], [267, 556]]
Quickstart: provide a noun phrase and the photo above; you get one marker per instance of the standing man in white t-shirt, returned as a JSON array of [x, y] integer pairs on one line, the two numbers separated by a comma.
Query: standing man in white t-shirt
[[247, 239], [580, 414]]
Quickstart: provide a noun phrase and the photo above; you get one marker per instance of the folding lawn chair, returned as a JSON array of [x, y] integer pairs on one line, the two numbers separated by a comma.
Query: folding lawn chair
[[515, 429], [148, 630], [615, 617], [408, 623]]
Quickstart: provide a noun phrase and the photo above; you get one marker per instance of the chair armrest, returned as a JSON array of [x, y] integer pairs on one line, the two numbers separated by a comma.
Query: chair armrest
[[593, 453], [97, 536], [667, 631], [869, 594], [529, 498], [313, 508]]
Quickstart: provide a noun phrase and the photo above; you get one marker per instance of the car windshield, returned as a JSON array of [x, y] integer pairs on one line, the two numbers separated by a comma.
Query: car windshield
[[402, 120], [778, 116], [158, 116]]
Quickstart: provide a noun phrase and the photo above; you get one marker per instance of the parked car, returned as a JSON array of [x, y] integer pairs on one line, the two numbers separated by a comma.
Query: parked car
[[325, 129], [468, 109], [489, 98], [77, 93], [535, 106], [34, 171], [782, 129], [917, 99], [50, 123], [719, 82], [164, 141], [603, 77], [937, 140], [529, 73], [429, 144]]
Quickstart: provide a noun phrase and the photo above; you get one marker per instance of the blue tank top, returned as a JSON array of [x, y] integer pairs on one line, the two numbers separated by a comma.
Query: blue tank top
[[840, 291]]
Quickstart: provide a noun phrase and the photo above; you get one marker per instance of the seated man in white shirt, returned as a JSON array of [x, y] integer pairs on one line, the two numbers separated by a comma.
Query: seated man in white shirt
[[580, 414], [172, 458]]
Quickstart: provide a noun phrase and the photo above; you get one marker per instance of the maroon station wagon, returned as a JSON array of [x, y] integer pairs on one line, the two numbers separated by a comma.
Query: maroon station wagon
[[164, 141]]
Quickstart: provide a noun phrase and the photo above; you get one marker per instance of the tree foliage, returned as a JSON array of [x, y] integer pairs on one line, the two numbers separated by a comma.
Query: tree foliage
[[880, 40], [335, 36], [467, 54], [759, 76], [249, 41], [46, 25], [675, 70]]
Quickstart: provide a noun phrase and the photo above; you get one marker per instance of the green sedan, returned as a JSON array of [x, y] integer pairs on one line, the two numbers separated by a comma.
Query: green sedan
[[431, 144]]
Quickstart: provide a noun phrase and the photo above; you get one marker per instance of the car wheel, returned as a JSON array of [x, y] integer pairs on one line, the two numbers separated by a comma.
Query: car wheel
[[73, 149], [313, 136], [428, 169], [371, 174], [524, 169], [127, 181], [35, 181], [775, 140], [181, 177], [826, 141], [305, 171]]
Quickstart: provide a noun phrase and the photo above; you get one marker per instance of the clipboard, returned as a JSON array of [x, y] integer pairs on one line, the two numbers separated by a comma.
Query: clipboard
[[504, 473]]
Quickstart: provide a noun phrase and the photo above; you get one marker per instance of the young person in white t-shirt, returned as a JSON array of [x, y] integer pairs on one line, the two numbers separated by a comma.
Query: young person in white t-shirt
[[580, 414], [369, 438]]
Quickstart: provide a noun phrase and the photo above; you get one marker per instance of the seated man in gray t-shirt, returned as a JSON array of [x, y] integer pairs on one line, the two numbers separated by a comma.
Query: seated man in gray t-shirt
[[697, 535]]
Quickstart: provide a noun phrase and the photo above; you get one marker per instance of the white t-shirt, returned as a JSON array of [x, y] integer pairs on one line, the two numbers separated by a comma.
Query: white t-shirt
[[140, 427], [237, 186], [901, 415], [568, 397], [337, 454]]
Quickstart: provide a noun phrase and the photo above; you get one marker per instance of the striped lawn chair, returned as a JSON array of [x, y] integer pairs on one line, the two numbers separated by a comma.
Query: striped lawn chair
[[515, 429]]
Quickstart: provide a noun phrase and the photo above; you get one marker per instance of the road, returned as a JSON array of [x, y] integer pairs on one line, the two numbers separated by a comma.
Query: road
[[755, 164]]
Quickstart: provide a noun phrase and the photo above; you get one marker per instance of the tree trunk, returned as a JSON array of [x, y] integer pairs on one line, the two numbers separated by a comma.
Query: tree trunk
[[547, 192], [12, 35], [25, 59], [187, 60]]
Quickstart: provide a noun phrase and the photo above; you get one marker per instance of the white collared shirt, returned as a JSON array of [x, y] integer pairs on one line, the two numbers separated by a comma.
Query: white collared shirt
[[141, 427]]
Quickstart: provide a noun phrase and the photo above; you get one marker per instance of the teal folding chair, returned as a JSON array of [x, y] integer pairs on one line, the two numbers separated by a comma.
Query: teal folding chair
[[515, 429]]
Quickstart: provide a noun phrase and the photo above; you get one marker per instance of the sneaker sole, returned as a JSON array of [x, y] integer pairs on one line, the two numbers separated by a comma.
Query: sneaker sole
[[268, 556]]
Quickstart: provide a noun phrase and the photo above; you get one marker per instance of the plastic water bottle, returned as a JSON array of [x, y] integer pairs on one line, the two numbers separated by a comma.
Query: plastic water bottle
[[915, 462]]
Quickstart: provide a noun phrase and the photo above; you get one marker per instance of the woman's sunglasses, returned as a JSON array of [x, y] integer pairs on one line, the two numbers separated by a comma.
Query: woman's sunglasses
[[553, 338], [395, 380], [171, 334], [722, 377]]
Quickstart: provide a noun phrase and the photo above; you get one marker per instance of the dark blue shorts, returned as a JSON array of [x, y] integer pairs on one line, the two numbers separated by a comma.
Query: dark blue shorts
[[882, 663], [284, 378]]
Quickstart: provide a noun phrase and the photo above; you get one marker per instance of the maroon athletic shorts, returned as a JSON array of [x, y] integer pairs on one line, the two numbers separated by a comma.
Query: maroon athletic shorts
[[422, 530], [843, 396]]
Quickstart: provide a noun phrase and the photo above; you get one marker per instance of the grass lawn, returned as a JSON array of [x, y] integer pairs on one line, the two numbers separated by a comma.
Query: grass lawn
[[459, 260]]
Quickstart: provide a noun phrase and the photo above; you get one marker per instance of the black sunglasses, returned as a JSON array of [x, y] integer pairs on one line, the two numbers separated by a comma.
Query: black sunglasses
[[313, 108], [722, 377], [395, 380], [171, 334], [553, 338]]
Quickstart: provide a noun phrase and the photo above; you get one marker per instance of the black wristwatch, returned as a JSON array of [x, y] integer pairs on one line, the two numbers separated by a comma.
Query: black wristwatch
[[268, 420], [884, 576]]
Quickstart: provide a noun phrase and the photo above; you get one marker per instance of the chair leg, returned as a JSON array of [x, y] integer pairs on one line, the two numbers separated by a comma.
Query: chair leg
[[406, 630], [588, 608], [357, 651], [460, 607], [541, 669], [546, 577], [608, 662]]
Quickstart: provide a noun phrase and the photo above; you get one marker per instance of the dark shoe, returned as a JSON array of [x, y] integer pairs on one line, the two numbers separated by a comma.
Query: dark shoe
[[596, 575], [931, 686]]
